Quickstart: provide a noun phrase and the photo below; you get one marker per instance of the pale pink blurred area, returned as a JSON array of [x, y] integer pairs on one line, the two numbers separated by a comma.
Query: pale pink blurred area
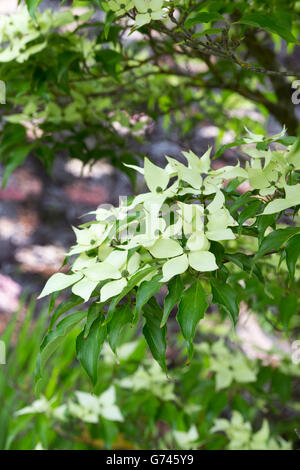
[[82, 192], [256, 343], [10, 292], [22, 184], [45, 260], [20, 229], [8, 6]]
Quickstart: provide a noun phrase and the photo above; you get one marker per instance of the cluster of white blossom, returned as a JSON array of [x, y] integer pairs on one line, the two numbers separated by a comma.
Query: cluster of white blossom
[[18, 32], [169, 229], [86, 407], [147, 10], [241, 436]]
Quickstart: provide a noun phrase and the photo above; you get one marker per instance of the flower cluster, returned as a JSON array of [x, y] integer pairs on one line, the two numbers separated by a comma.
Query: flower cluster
[[168, 230], [240, 435], [86, 407], [268, 172], [19, 36], [150, 378], [147, 10], [120, 7], [228, 366]]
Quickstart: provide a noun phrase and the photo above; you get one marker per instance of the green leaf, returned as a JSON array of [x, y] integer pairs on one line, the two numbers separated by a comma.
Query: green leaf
[[282, 384], [109, 60], [203, 17], [226, 298], [218, 250], [224, 147], [288, 306], [145, 291], [52, 301], [155, 336], [245, 263], [93, 314], [275, 240], [263, 222], [175, 288], [191, 309], [109, 19], [15, 158], [288, 140], [64, 307], [12, 135], [121, 317], [239, 202], [270, 22], [293, 156], [234, 184], [32, 6], [131, 284], [292, 250], [250, 211], [53, 339], [88, 348]]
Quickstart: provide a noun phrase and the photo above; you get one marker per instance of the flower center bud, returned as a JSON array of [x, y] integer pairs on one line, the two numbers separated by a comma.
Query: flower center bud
[[159, 189], [125, 273]]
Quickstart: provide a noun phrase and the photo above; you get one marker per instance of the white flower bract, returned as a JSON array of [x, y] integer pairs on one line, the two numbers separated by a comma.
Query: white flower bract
[[171, 228]]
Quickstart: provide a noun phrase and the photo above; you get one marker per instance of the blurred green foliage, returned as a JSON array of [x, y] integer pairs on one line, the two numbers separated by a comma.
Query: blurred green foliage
[[78, 83], [222, 400]]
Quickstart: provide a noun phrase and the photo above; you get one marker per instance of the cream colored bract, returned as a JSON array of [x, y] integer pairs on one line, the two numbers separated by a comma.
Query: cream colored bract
[[171, 227]]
